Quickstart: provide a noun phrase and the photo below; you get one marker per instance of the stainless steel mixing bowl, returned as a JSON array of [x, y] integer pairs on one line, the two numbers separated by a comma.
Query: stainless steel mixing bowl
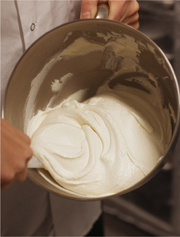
[[87, 72]]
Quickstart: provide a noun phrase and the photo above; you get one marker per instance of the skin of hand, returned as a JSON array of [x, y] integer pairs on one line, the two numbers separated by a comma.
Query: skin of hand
[[125, 11], [15, 154]]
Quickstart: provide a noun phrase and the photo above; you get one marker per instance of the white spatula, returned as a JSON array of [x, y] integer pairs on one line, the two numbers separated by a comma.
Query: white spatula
[[34, 163]]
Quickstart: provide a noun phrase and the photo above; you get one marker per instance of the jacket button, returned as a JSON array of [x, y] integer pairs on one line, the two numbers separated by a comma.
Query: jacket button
[[32, 27]]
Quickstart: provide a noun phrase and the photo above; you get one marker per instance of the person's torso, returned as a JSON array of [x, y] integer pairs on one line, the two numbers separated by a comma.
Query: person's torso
[[26, 208]]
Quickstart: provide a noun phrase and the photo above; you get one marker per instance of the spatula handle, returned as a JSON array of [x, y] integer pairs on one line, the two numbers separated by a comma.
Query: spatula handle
[[102, 11]]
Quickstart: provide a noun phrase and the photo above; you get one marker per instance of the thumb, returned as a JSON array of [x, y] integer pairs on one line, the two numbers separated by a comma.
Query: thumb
[[88, 8]]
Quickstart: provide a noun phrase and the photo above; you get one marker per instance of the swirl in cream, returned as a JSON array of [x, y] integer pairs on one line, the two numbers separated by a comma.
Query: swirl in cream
[[103, 145]]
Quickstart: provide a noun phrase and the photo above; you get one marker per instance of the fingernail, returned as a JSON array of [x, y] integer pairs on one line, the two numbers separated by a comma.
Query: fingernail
[[86, 15]]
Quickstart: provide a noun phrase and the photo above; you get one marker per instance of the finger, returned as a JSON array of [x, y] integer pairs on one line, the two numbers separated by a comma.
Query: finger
[[5, 186], [11, 131], [117, 9], [25, 138], [135, 25], [8, 178], [132, 6], [21, 176], [131, 19], [27, 153], [22, 137], [88, 8]]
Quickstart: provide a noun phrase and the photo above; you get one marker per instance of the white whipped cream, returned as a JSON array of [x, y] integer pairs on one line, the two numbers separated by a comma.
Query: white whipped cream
[[103, 145]]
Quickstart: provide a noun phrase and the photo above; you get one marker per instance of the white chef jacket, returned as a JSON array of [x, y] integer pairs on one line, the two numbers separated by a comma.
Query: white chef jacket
[[27, 209]]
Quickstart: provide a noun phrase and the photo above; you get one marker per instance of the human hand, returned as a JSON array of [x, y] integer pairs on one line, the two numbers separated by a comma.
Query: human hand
[[125, 11], [15, 154]]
